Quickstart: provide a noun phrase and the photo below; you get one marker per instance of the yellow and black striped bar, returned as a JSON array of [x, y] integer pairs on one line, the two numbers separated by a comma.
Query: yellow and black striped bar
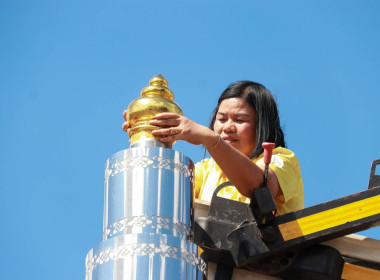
[[358, 270], [329, 220], [323, 222], [345, 215]]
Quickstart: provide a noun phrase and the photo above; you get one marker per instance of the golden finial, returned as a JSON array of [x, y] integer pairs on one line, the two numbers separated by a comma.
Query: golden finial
[[158, 80], [155, 98]]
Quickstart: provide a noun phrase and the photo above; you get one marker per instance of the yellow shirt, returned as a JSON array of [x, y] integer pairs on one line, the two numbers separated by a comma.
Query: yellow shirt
[[285, 165]]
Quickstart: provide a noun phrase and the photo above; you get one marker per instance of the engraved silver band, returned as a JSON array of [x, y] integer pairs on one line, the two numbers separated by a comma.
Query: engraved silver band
[[144, 161], [155, 222]]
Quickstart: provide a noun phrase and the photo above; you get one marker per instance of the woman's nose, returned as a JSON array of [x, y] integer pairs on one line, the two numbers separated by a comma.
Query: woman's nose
[[229, 126]]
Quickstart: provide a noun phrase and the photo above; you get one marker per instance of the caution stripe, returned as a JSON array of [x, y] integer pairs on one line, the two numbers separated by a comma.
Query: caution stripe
[[356, 272], [330, 218]]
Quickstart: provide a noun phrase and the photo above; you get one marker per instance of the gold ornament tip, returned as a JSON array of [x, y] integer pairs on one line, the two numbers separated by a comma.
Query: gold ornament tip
[[155, 98], [158, 80]]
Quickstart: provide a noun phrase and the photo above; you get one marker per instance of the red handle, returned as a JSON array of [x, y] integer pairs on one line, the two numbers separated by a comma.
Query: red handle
[[268, 147]]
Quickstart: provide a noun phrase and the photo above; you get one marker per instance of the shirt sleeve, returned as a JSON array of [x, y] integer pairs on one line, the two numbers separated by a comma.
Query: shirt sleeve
[[287, 169]]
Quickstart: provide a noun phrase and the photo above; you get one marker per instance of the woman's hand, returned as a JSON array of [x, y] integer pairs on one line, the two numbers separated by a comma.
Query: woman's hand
[[126, 126], [176, 127], [239, 168]]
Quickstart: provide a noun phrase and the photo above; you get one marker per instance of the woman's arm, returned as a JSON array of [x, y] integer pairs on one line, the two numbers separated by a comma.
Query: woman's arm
[[239, 168], [242, 171]]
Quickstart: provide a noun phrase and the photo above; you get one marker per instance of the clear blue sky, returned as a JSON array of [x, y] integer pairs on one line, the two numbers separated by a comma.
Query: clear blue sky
[[69, 68]]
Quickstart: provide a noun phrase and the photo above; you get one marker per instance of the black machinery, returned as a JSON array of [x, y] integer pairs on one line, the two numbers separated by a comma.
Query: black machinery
[[235, 234]]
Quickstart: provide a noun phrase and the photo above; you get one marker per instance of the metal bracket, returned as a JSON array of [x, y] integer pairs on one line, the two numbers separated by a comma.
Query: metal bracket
[[374, 180]]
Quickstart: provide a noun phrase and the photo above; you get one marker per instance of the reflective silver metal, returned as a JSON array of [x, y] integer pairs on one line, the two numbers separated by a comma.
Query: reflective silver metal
[[148, 213], [148, 190], [143, 256]]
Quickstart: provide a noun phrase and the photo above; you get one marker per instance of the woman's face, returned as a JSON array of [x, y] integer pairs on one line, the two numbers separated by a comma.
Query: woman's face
[[236, 123]]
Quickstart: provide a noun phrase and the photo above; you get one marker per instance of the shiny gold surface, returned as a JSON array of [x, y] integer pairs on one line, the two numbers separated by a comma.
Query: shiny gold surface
[[155, 98]]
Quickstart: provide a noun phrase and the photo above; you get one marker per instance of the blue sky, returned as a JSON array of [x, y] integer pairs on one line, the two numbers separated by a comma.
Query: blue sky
[[68, 69]]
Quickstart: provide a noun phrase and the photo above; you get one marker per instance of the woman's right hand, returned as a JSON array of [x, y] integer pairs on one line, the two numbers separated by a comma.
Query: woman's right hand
[[175, 127], [126, 126]]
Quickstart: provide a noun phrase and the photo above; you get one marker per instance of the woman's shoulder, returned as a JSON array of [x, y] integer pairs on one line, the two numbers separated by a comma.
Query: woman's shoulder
[[283, 151], [280, 157], [284, 157], [279, 151]]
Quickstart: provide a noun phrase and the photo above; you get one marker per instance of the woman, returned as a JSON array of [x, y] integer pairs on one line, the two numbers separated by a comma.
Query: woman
[[246, 116]]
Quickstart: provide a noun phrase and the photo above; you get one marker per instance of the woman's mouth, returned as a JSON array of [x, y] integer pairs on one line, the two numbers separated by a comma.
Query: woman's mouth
[[229, 140]]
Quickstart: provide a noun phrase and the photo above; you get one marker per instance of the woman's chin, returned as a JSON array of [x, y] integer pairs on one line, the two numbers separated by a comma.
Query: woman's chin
[[234, 144]]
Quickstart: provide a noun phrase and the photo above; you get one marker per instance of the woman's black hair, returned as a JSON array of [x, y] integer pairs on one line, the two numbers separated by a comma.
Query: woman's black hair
[[268, 128]]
